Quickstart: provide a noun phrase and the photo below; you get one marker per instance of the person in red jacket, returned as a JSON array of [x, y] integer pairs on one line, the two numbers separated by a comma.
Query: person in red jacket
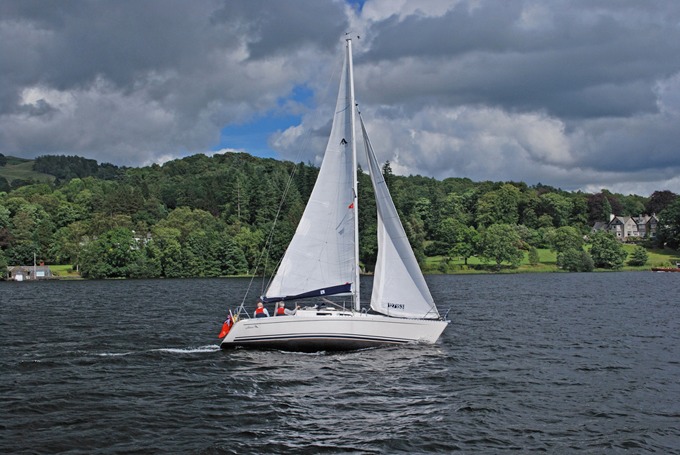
[[281, 310], [261, 311]]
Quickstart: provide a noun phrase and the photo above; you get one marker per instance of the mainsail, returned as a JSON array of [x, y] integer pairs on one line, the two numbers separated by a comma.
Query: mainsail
[[320, 259], [399, 288]]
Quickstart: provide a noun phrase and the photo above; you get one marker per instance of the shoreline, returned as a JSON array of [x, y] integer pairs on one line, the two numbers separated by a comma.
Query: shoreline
[[504, 271]]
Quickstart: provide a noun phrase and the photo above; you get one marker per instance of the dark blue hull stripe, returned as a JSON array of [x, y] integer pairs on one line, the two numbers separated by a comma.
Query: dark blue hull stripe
[[320, 337], [314, 341]]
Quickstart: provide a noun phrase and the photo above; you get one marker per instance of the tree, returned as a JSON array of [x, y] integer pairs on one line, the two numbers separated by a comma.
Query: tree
[[499, 207], [65, 246], [251, 243], [388, 175], [606, 251], [528, 235], [169, 251], [146, 264], [202, 254], [3, 265], [556, 206], [579, 212], [5, 217], [564, 238], [659, 200], [601, 205], [638, 257], [669, 225], [188, 221], [534, 259], [501, 243], [22, 252], [606, 210], [575, 260], [231, 257], [447, 230], [111, 255], [633, 205], [453, 206], [4, 185], [465, 243]]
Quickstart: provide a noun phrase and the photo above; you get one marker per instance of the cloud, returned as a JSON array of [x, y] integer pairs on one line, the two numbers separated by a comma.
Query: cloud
[[128, 82], [575, 94]]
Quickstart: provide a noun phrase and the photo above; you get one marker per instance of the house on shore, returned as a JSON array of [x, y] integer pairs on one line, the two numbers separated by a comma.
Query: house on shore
[[29, 272], [626, 228]]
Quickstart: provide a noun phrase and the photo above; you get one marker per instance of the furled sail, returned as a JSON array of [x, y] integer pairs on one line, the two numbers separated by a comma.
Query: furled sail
[[399, 288], [320, 257]]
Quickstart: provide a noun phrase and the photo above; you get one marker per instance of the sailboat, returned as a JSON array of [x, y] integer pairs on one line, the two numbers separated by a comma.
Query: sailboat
[[322, 261]]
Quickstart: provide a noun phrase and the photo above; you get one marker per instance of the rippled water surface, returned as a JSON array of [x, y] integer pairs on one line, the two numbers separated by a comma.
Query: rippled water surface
[[547, 362]]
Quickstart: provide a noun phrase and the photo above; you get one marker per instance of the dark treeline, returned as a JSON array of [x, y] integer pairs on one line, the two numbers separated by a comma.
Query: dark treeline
[[213, 216], [70, 167]]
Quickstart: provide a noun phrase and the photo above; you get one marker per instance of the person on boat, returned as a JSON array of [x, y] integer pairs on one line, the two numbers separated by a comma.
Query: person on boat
[[281, 310], [261, 311]]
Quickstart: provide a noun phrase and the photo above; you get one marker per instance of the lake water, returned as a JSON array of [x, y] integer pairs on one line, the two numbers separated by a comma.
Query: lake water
[[557, 363]]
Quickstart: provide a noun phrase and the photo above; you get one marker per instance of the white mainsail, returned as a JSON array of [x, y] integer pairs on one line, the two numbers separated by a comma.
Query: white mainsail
[[320, 259], [399, 288]]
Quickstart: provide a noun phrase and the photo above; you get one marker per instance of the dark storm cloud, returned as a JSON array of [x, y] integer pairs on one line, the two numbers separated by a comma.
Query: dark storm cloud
[[73, 43], [165, 75], [564, 91], [581, 59], [273, 28]]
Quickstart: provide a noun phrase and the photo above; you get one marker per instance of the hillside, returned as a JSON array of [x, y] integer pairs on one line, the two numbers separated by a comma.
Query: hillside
[[22, 169], [214, 216]]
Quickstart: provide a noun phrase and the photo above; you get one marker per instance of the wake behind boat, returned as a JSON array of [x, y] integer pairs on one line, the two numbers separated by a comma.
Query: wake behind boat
[[322, 260]]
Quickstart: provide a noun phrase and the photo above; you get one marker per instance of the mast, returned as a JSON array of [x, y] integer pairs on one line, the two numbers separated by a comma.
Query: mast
[[350, 70]]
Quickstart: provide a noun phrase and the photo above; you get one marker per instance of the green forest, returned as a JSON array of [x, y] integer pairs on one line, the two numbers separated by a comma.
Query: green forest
[[234, 214]]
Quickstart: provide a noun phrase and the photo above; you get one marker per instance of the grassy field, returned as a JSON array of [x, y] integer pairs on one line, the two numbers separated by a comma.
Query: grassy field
[[547, 263], [64, 271], [19, 168], [657, 258]]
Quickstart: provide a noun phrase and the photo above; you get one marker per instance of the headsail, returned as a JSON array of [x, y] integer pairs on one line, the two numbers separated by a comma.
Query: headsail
[[320, 259], [399, 288]]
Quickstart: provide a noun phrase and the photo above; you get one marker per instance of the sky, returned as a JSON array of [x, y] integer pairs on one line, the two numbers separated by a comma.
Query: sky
[[576, 94]]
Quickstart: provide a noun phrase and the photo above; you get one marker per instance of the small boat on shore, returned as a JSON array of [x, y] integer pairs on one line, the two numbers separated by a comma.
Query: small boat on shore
[[665, 269]]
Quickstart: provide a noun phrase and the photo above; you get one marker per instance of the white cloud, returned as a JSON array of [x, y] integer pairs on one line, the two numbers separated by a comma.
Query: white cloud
[[383, 9], [668, 95]]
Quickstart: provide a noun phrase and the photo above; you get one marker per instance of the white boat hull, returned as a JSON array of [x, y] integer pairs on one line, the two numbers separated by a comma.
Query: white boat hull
[[330, 331]]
